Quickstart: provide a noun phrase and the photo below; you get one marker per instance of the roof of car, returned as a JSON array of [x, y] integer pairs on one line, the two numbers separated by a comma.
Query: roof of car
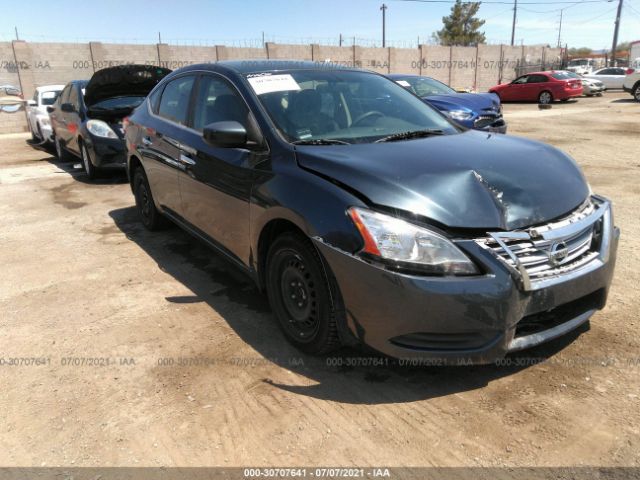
[[266, 65]]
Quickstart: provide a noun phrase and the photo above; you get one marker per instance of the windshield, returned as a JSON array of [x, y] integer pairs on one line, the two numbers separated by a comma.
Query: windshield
[[425, 86], [347, 106], [49, 97]]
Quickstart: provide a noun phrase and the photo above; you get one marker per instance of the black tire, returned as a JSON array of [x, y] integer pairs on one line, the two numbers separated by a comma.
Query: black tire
[[303, 294], [564, 100], [636, 92], [545, 98], [89, 168], [149, 215], [61, 153]]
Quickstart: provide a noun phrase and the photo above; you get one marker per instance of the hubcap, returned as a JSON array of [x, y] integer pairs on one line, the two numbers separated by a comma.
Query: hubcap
[[298, 293], [545, 98], [638, 94]]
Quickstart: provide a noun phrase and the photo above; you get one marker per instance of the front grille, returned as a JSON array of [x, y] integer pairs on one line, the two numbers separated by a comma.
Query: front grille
[[551, 250], [484, 121]]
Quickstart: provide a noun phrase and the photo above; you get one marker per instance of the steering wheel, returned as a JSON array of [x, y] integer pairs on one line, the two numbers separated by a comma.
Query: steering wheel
[[370, 113]]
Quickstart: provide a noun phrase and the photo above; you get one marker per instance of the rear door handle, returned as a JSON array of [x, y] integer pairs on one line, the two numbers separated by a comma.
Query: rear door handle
[[146, 141]]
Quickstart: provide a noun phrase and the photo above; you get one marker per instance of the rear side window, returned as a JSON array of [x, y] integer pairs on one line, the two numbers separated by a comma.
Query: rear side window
[[174, 103], [154, 99], [537, 79], [217, 101]]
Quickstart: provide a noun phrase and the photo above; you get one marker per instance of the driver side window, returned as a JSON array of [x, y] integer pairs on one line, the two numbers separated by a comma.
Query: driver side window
[[521, 80]]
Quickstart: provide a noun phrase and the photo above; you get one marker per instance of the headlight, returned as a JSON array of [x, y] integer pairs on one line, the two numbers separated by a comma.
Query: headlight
[[460, 114], [392, 239], [100, 129]]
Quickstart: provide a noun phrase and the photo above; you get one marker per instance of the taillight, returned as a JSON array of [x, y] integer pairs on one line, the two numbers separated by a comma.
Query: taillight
[[630, 71]]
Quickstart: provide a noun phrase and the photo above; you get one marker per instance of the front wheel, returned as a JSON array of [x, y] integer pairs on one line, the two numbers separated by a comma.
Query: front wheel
[[61, 153], [89, 168], [305, 301], [545, 98], [636, 93]]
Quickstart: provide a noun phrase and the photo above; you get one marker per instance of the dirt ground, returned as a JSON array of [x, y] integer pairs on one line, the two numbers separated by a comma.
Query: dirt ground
[[184, 364]]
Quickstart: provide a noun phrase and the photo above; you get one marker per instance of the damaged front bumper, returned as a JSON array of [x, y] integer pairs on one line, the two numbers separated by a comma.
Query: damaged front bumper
[[479, 319]]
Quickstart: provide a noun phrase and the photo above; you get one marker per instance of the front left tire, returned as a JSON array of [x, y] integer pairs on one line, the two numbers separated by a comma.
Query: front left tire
[[303, 294], [89, 168]]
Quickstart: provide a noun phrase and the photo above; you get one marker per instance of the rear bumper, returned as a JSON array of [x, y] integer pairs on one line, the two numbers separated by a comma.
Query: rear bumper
[[462, 320]]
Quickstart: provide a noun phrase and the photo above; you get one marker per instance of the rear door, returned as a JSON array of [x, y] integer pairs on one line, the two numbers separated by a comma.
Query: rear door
[[536, 84], [216, 183], [74, 119], [57, 117], [160, 142]]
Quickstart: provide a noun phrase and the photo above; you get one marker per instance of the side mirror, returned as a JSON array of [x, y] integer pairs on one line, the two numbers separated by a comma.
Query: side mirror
[[31, 103], [67, 107], [51, 109], [227, 134]]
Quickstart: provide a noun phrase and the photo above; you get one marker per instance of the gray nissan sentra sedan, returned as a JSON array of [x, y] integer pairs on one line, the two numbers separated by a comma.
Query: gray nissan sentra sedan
[[368, 216]]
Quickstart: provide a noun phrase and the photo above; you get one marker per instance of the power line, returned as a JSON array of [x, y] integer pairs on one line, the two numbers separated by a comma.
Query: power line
[[493, 2]]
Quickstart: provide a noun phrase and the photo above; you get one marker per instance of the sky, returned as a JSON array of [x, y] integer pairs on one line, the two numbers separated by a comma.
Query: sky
[[242, 22]]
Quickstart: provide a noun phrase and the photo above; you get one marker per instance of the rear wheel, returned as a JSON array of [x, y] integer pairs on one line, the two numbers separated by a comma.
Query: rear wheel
[[89, 168], [545, 98], [305, 301], [150, 217]]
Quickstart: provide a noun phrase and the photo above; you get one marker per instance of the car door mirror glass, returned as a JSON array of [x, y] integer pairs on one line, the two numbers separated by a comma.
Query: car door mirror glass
[[226, 134], [67, 107]]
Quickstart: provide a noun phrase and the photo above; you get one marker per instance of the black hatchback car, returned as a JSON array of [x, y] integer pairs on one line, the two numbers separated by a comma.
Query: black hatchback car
[[87, 117], [367, 215]]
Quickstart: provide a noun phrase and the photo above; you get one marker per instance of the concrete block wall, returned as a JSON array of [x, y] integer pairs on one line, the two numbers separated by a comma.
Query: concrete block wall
[[461, 67]]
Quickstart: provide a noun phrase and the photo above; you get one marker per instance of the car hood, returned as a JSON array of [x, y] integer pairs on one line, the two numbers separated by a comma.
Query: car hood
[[478, 102], [123, 80], [473, 180]]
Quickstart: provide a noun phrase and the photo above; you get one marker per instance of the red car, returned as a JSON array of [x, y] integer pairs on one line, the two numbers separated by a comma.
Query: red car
[[541, 87]]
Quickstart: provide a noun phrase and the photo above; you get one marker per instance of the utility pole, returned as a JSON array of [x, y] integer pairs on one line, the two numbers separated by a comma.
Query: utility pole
[[615, 35], [340, 39], [513, 27], [384, 26], [560, 29], [16, 29]]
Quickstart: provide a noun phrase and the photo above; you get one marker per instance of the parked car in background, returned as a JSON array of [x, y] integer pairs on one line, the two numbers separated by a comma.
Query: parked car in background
[[37, 115], [481, 111], [543, 87], [590, 87], [632, 84], [612, 77], [87, 117], [582, 66], [11, 99], [369, 217]]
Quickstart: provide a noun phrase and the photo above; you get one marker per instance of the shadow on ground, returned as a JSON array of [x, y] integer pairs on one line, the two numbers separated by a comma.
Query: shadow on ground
[[348, 376]]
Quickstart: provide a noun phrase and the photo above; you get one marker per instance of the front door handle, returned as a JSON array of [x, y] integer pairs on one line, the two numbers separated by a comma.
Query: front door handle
[[186, 160], [146, 141]]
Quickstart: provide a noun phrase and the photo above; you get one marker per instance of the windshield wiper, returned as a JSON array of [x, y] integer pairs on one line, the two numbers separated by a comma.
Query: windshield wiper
[[408, 135], [320, 141]]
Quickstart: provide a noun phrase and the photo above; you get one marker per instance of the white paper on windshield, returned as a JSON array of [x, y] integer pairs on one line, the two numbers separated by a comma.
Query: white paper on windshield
[[273, 83], [404, 83]]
